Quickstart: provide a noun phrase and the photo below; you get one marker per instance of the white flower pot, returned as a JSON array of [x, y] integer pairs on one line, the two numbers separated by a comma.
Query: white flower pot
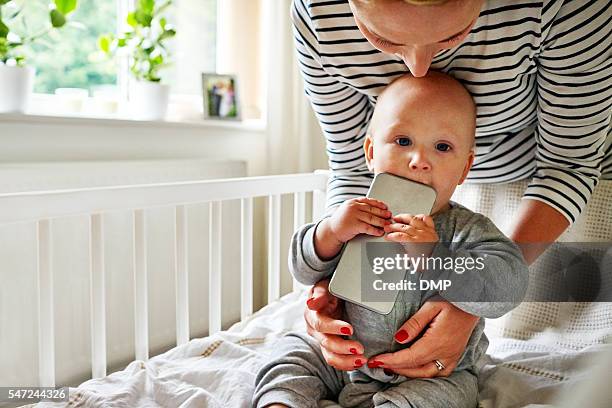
[[16, 86], [148, 100]]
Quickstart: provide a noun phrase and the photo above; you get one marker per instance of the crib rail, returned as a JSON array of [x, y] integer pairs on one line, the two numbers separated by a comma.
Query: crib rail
[[42, 207]]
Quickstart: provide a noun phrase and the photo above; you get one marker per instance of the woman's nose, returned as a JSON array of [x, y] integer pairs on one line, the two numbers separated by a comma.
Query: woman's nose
[[417, 59]]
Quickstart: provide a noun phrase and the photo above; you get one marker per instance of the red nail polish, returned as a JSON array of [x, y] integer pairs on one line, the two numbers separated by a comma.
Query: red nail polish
[[388, 372], [309, 301], [401, 335], [375, 364], [358, 363], [345, 331], [353, 350]]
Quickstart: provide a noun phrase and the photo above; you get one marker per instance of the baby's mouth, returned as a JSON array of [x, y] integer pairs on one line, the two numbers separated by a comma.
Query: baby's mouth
[[418, 180]]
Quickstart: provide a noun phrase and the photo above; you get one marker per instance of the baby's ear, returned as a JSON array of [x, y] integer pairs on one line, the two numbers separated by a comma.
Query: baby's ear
[[368, 149], [468, 166]]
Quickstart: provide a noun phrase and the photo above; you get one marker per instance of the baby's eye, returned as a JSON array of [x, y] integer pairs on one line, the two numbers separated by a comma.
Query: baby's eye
[[443, 147], [403, 141]]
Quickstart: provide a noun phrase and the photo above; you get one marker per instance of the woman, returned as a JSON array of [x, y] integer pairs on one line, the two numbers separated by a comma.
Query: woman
[[540, 75]]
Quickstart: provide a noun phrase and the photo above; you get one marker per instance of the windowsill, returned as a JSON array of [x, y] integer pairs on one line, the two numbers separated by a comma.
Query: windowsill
[[249, 124], [184, 111]]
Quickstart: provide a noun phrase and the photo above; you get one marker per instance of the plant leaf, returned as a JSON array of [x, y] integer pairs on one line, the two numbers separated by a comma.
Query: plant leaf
[[146, 6], [4, 30], [104, 43], [65, 6], [57, 19], [2, 2], [143, 18], [167, 34], [131, 19]]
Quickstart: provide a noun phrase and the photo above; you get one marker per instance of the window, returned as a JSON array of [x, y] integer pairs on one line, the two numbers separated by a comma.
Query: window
[[63, 58], [68, 58]]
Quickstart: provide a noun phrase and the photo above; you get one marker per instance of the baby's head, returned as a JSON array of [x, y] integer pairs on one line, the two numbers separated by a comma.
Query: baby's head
[[423, 129]]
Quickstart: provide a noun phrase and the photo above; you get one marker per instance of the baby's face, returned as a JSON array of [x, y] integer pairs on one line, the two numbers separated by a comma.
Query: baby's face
[[423, 135]]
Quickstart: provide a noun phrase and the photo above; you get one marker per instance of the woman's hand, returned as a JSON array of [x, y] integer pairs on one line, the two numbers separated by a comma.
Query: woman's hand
[[322, 322], [444, 340]]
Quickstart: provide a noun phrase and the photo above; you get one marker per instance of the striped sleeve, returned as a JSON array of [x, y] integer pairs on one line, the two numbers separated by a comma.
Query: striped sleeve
[[343, 112], [574, 102]]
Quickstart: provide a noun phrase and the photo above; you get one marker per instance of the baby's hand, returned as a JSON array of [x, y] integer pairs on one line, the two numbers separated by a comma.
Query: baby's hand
[[359, 216], [413, 229]]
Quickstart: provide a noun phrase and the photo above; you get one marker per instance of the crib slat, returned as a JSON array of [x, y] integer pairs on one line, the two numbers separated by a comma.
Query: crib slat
[[246, 258], [299, 219], [182, 275], [141, 317], [46, 328], [214, 268], [274, 208], [98, 303]]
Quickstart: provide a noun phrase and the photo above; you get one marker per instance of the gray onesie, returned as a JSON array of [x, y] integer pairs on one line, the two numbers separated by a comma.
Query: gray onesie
[[297, 375]]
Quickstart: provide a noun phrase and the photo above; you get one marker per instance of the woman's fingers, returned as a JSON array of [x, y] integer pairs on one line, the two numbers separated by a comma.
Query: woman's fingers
[[343, 362], [338, 345], [406, 358], [320, 299], [417, 322], [445, 338], [322, 324], [429, 370], [325, 324]]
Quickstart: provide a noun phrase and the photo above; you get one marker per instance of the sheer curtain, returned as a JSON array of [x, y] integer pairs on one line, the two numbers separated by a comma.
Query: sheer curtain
[[255, 41], [295, 140]]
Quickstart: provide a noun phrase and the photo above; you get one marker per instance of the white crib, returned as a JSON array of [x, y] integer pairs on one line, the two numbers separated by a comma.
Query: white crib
[[41, 209]]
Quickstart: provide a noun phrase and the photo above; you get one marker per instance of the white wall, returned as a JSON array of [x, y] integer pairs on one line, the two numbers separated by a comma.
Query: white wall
[[42, 139]]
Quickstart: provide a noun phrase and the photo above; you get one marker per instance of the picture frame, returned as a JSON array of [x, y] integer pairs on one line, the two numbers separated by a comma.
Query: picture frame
[[220, 95]]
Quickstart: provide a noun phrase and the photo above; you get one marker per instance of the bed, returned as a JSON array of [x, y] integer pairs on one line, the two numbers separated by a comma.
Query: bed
[[527, 366]]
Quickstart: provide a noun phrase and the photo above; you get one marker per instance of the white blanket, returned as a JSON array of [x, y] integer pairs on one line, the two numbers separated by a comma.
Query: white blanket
[[219, 371], [216, 371]]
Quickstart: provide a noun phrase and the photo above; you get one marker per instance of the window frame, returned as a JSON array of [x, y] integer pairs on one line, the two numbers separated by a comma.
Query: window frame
[[185, 107]]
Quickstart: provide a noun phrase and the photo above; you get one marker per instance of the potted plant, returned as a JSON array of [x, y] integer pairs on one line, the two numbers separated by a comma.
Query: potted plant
[[145, 44], [16, 77]]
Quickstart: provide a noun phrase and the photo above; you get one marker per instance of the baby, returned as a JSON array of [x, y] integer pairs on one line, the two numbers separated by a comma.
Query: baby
[[422, 129]]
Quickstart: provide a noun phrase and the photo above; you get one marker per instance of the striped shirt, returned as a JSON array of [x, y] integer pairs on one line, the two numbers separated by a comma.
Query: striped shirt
[[539, 72]]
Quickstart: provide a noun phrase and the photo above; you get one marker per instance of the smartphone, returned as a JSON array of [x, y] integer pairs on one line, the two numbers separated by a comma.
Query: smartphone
[[402, 196]]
